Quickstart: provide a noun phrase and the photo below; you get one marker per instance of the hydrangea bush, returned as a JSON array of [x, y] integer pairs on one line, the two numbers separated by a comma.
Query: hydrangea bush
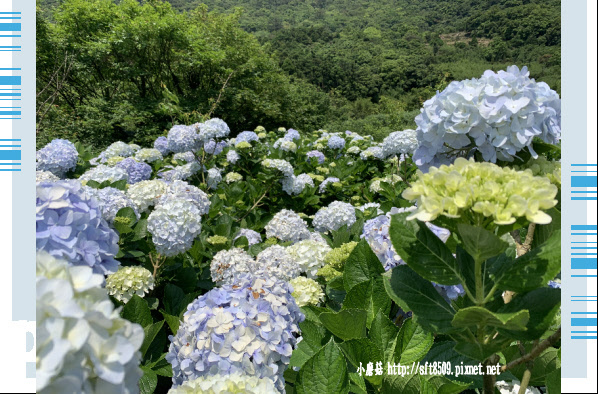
[[280, 260]]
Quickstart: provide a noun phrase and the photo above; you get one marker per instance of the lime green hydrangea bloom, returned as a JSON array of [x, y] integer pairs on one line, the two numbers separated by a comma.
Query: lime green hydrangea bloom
[[260, 129], [271, 241], [217, 240], [127, 281], [243, 145], [306, 291], [262, 135], [334, 262], [233, 177], [544, 167], [375, 185], [482, 194], [234, 383], [114, 160], [323, 170], [315, 177]]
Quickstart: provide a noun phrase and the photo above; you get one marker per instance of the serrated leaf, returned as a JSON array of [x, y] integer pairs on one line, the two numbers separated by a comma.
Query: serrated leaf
[[408, 384], [325, 372], [413, 342], [481, 244], [479, 316], [553, 382], [148, 382], [137, 311], [362, 351], [383, 334], [346, 324], [361, 266], [414, 293], [314, 337], [436, 384], [369, 296], [150, 334], [423, 251]]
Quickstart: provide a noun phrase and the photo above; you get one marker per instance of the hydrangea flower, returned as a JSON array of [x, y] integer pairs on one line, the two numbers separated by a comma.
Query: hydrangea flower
[[277, 262], [146, 193], [513, 387], [306, 291], [182, 191], [253, 237], [137, 171], [354, 150], [555, 284], [373, 152], [174, 224], [400, 142], [309, 255], [334, 261], [69, 225], [375, 186], [58, 157], [246, 136], [128, 281], [183, 157], [281, 165], [114, 160], [232, 156], [227, 265], [212, 129], [232, 177], [183, 138], [294, 185], [82, 343], [334, 216], [325, 182], [336, 142], [471, 190], [41, 176], [148, 155], [286, 225], [449, 292], [214, 178], [226, 384], [214, 148], [104, 173], [117, 148], [370, 205], [250, 327], [317, 154], [260, 129], [161, 144], [285, 145], [110, 201], [543, 167], [291, 135], [497, 115]]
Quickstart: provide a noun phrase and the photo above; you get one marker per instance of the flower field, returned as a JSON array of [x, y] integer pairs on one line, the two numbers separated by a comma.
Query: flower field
[[272, 261]]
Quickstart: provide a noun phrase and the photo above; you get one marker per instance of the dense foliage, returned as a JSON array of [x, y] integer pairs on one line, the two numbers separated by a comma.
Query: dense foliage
[[131, 70]]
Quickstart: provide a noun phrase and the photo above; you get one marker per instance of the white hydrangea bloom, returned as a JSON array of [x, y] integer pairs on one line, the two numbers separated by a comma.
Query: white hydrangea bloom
[[373, 152], [354, 150], [232, 156], [146, 193], [212, 129], [285, 145], [103, 173], [294, 185], [214, 178], [306, 291], [253, 237], [117, 148], [174, 224], [148, 155], [390, 179], [82, 344], [276, 262], [400, 142], [228, 264], [233, 383], [232, 177], [513, 388], [281, 165], [309, 255], [286, 225], [43, 176], [127, 281], [334, 216]]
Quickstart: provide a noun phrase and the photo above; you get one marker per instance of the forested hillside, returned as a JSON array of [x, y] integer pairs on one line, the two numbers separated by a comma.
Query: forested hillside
[[127, 70]]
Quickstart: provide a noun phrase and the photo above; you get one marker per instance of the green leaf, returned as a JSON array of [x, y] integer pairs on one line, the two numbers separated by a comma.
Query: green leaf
[[544, 231], [445, 352], [312, 312], [553, 382], [545, 364], [357, 383], [414, 293], [161, 366], [148, 382], [543, 304], [172, 321], [423, 251], [173, 299], [479, 351], [346, 324], [436, 384], [360, 352], [369, 296], [408, 384], [534, 269], [137, 311], [140, 230], [479, 316], [480, 243], [150, 334], [413, 342], [326, 372], [384, 335], [361, 265], [314, 337], [120, 185]]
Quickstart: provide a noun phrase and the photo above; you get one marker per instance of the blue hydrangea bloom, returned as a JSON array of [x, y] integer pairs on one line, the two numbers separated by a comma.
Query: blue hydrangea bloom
[[161, 144], [183, 138], [69, 225], [214, 148], [232, 156], [138, 171], [292, 134], [249, 327], [110, 201], [336, 142], [449, 292], [325, 182], [213, 128], [246, 136], [317, 154], [58, 157]]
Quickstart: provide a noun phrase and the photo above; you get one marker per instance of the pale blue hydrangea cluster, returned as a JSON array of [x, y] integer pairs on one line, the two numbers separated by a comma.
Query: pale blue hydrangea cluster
[[41, 176], [183, 172], [325, 182], [286, 225], [174, 224], [275, 261], [182, 191], [214, 178], [498, 115], [183, 138], [161, 144], [292, 134], [145, 194], [336, 142], [317, 154], [102, 173], [69, 226], [137, 171], [253, 237], [214, 128], [184, 157], [250, 327], [294, 185], [228, 265], [58, 157], [246, 136], [400, 142], [554, 284], [110, 201], [232, 156], [82, 343], [372, 152], [281, 165], [214, 148], [334, 216], [148, 155]]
